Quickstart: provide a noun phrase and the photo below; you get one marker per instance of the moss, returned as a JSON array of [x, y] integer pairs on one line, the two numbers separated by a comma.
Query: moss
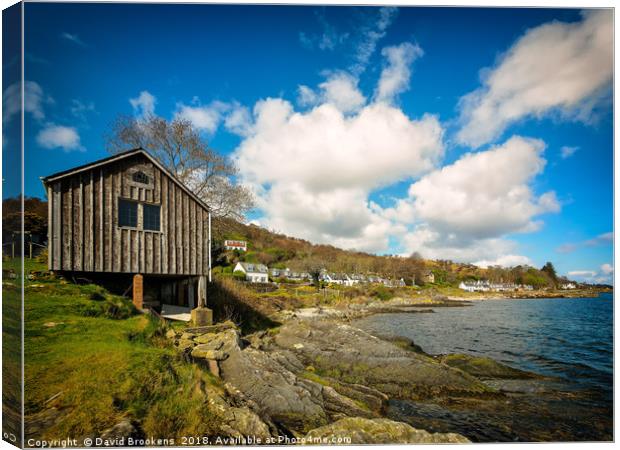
[[482, 367]]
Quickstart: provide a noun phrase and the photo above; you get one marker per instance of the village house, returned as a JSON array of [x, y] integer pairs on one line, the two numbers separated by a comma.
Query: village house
[[475, 286], [486, 286], [394, 283], [241, 246], [428, 277], [254, 273], [279, 273], [567, 286], [127, 221]]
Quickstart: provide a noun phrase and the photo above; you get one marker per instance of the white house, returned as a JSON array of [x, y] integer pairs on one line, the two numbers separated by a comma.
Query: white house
[[280, 273], [236, 245], [569, 285], [254, 273], [475, 286]]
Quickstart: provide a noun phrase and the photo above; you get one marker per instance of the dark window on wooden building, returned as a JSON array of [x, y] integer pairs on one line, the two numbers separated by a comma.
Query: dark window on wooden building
[[127, 213], [140, 177], [150, 217]]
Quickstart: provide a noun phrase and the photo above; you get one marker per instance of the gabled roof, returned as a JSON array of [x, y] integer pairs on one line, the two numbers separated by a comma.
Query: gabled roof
[[118, 157], [254, 268]]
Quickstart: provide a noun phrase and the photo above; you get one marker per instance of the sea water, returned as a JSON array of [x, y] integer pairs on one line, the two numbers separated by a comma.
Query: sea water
[[566, 339]]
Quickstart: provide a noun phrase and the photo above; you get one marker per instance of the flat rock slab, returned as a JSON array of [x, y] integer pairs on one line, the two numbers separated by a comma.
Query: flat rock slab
[[357, 430], [354, 356]]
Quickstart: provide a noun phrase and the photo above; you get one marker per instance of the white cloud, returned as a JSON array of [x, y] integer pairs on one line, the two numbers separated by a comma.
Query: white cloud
[[144, 104], [328, 39], [603, 276], [601, 239], [34, 98], [73, 38], [239, 120], [325, 149], [371, 33], [463, 211], [567, 152], [79, 109], [306, 96], [395, 76], [58, 136], [506, 261], [557, 66], [339, 89], [205, 118], [313, 171], [435, 244], [582, 273], [482, 195]]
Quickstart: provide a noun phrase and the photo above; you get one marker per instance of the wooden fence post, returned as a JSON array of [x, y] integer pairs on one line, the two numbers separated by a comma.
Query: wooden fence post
[[138, 290]]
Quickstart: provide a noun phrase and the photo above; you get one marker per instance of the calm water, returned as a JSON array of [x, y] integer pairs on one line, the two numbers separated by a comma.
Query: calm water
[[569, 339]]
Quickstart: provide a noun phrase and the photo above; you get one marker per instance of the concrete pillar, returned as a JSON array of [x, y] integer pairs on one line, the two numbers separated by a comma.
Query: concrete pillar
[[138, 291], [202, 315], [202, 292]]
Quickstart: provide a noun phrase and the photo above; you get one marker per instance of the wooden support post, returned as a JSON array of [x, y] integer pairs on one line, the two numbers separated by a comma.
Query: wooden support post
[[138, 291]]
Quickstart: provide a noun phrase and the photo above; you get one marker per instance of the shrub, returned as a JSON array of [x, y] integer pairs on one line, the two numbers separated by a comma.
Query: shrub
[[382, 293], [239, 275]]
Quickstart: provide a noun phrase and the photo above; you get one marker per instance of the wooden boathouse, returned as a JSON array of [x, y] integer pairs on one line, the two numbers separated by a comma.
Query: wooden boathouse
[[128, 216]]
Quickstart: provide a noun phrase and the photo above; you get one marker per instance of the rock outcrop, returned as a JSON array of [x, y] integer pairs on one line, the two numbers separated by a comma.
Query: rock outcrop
[[353, 356], [357, 430]]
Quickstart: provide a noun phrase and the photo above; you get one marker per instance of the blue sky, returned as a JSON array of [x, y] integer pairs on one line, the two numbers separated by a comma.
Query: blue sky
[[353, 125]]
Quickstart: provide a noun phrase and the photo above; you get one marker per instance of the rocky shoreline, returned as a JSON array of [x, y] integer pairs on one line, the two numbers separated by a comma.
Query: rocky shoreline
[[316, 377]]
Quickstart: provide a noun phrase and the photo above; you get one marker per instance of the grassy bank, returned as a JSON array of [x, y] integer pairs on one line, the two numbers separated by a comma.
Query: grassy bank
[[92, 361]]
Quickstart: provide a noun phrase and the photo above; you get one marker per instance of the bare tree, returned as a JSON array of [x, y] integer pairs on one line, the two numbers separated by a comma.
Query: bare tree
[[179, 147]]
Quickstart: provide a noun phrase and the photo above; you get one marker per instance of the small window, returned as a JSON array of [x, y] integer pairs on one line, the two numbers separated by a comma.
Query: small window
[[151, 217], [140, 177], [127, 213]]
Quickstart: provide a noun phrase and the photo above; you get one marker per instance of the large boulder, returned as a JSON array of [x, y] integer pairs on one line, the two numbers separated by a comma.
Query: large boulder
[[293, 403], [358, 430], [216, 346]]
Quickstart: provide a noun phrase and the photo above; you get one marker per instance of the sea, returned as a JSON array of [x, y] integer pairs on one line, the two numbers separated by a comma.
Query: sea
[[568, 340]]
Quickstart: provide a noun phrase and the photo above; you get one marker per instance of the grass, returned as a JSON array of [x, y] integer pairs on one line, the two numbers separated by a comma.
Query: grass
[[104, 362]]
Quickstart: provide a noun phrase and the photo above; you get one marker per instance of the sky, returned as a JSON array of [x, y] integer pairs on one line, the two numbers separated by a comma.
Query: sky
[[473, 134]]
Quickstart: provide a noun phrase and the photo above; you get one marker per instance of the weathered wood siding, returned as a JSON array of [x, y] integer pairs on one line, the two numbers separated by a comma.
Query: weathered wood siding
[[84, 234]]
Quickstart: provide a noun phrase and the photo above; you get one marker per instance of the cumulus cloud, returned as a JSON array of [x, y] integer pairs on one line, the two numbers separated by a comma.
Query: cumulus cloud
[[435, 244], [484, 194], [567, 152], [602, 276], [205, 118], [463, 210], [313, 171], [557, 66], [339, 89], [34, 99], [395, 76], [58, 136], [239, 120], [144, 104], [505, 261]]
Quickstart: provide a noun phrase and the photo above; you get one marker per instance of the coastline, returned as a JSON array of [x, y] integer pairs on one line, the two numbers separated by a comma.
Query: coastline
[[527, 295]]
